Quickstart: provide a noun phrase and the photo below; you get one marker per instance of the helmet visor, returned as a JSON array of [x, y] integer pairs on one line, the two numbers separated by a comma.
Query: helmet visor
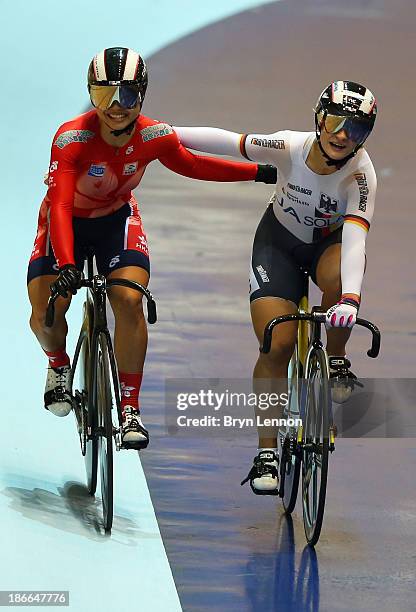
[[356, 129], [103, 96]]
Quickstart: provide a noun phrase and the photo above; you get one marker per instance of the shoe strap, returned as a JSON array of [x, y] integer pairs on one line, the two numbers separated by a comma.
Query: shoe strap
[[261, 466], [56, 395], [134, 425], [339, 363]]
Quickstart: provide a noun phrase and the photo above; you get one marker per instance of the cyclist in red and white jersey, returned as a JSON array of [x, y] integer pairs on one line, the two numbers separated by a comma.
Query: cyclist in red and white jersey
[[318, 219], [97, 159]]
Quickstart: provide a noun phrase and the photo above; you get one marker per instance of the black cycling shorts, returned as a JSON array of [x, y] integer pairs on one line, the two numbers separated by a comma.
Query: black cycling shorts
[[116, 240], [278, 258]]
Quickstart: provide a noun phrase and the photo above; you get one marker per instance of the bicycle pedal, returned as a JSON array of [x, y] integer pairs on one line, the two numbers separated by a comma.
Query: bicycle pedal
[[135, 445], [272, 493], [310, 447]]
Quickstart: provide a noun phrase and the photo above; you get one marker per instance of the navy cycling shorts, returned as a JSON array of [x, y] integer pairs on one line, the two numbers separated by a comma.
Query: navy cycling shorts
[[278, 259], [116, 240]]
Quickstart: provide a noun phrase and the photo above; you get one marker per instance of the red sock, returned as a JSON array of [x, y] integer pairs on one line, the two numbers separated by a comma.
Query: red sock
[[58, 358], [130, 388]]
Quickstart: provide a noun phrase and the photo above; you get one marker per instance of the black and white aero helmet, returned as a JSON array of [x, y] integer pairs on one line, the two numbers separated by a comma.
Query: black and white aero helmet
[[118, 66], [351, 100], [348, 99]]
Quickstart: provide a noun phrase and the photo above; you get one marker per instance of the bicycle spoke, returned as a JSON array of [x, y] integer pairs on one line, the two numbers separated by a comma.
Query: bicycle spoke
[[318, 461], [308, 475]]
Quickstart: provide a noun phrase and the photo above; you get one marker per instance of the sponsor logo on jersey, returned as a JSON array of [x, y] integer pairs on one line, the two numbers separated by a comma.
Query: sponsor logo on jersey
[[96, 170], [114, 261], [327, 203], [295, 199], [142, 242], [361, 179], [268, 143], [263, 274], [324, 221], [155, 131], [300, 189], [129, 150], [66, 138], [130, 168], [53, 166]]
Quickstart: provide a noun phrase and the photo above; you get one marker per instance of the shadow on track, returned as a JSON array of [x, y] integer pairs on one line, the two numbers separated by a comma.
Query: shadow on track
[[292, 586], [71, 509]]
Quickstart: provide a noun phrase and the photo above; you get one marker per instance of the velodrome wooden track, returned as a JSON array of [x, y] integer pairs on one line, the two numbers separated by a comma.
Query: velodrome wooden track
[[261, 71]]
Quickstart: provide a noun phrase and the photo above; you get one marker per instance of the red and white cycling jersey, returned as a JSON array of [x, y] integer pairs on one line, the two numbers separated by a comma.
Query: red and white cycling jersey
[[90, 178]]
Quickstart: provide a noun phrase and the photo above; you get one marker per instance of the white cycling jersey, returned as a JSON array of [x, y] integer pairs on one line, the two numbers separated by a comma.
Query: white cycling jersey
[[308, 204]]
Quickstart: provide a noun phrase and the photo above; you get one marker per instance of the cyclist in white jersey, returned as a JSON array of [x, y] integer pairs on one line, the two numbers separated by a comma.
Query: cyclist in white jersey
[[318, 218]]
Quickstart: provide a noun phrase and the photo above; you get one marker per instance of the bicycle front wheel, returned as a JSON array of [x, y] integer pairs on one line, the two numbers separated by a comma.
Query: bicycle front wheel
[[105, 429], [315, 444]]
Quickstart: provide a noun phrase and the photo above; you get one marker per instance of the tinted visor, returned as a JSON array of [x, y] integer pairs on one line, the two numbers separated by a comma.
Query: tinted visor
[[356, 129], [103, 96]]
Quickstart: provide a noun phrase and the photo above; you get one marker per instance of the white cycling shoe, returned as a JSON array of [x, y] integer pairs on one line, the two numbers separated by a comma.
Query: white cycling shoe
[[57, 398], [264, 475], [133, 433]]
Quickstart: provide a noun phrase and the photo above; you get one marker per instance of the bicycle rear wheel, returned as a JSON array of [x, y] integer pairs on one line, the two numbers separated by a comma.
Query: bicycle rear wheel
[[105, 429], [287, 441], [88, 413], [315, 446]]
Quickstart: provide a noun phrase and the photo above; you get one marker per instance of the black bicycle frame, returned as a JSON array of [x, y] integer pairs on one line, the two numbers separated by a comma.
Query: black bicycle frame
[[97, 300], [96, 303]]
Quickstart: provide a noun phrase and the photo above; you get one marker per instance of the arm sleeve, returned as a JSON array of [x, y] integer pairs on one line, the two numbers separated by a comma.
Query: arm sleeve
[[182, 161], [62, 173], [352, 258], [210, 140], [360, 207], [260, 148]]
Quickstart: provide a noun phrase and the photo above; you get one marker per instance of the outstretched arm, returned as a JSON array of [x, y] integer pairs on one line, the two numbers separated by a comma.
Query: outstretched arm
[[261, 148], [210, 140], [186, 163]]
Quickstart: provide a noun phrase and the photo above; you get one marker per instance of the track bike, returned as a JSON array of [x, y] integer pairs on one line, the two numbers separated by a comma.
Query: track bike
[[306, 448], [96, 400]]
